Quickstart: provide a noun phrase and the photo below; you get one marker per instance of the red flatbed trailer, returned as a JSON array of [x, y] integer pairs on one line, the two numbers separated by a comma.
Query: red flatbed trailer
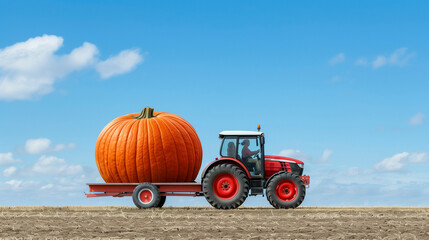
[[191, 189]]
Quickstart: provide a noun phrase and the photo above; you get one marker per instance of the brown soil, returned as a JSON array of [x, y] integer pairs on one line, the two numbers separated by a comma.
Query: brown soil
[[209, 223]]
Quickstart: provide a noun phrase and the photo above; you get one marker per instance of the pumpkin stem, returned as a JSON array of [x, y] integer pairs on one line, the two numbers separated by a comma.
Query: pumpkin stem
[[147, 112]]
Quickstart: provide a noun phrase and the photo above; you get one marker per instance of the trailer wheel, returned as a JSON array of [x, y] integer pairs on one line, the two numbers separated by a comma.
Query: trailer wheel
[[161, 201], [226, 186], [146, 195], [286, 190]]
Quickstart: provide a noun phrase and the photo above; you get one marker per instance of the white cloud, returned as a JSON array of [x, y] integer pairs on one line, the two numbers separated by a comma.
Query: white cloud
[[416, 119], [14, 184], [379, 61], [339, 58], [398, 161], [393, 163], [37, 146], [29, 69], [124, 62], [62, 147], [47, 186], [6, 159], [20, 185], [45, 166], [325, 156], [418, 157], [43, 145], [297, 154], [398, 58], [53, 166], [361, 62], [9, 171]]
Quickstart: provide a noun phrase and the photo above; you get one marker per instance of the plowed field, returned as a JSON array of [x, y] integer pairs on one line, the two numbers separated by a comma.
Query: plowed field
[[209, 223]]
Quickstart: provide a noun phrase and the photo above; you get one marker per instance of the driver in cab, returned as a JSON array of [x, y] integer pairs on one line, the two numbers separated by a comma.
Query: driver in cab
[[247, 157]]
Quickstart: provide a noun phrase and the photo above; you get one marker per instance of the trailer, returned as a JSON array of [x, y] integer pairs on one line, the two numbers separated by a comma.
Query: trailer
[[227, 181], [145, 195]]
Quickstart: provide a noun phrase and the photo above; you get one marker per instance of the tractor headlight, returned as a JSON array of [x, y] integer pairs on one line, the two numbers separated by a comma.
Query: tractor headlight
[[301, 165]]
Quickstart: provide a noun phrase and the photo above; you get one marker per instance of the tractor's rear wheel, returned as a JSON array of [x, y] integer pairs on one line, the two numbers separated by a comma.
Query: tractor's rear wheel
[[146, 195], [286, 190], [226, 186]]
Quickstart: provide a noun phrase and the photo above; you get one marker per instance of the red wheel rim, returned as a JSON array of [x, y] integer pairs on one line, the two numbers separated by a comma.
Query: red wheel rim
[[286, 190], [225, 186], [145, 196]]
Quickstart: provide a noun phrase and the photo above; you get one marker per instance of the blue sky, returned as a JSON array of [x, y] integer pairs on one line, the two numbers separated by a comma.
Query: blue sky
[[341, 85]]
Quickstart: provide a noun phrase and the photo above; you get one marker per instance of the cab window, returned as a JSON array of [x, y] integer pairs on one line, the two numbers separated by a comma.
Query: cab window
[[229, 147], [248, 147]]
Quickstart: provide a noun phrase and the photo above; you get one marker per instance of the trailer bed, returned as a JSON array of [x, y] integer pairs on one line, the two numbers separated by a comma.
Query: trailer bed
[[192, 189]]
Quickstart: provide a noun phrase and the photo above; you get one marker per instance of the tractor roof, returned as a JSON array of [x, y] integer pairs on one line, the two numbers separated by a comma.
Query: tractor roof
[[239, 133]]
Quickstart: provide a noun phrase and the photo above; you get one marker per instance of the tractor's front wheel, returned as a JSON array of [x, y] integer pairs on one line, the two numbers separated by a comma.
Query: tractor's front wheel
[[226, 186], [286, 190]]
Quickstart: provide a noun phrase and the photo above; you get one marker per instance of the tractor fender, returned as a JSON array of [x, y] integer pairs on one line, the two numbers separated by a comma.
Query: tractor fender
[[275, 174], [224, 160]]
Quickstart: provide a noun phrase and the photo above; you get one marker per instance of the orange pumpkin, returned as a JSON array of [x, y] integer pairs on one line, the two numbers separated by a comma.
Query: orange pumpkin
[[148, 147]]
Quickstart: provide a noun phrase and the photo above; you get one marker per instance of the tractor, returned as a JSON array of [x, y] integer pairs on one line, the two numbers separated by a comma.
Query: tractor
[[227, 181]]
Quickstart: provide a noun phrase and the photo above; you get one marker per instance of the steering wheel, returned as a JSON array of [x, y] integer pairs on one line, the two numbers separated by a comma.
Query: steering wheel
[[256, 155]]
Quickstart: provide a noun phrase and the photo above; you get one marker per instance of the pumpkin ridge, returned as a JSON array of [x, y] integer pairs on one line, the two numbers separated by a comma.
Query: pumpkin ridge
[[112, 153], [99, 150], [136, 147], [187, 142], [124, 139], [170, 153], [132, 150], [102, 155], [198, 142], [197, 149], [142, 143], [193, 163], [183, 153], [108, 138], [162, 166], [106, 153], [166, 124], [152, 160], [119, 151]]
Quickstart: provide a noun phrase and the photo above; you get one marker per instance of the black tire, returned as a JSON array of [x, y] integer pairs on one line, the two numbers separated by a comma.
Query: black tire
[[239, 186], [291, 180], [161, 201], [146, 195]]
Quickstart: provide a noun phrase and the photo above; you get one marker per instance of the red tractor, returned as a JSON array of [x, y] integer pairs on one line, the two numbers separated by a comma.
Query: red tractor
[[243, 169]]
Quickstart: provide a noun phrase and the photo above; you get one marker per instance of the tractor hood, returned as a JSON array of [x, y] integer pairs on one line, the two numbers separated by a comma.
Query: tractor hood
[[282, 159]]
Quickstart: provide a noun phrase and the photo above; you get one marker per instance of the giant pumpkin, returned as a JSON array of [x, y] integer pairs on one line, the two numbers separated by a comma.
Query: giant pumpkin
[[148, 147]]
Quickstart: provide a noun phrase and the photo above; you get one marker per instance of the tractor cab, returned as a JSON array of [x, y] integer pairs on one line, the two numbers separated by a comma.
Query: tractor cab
[[246, 147]]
